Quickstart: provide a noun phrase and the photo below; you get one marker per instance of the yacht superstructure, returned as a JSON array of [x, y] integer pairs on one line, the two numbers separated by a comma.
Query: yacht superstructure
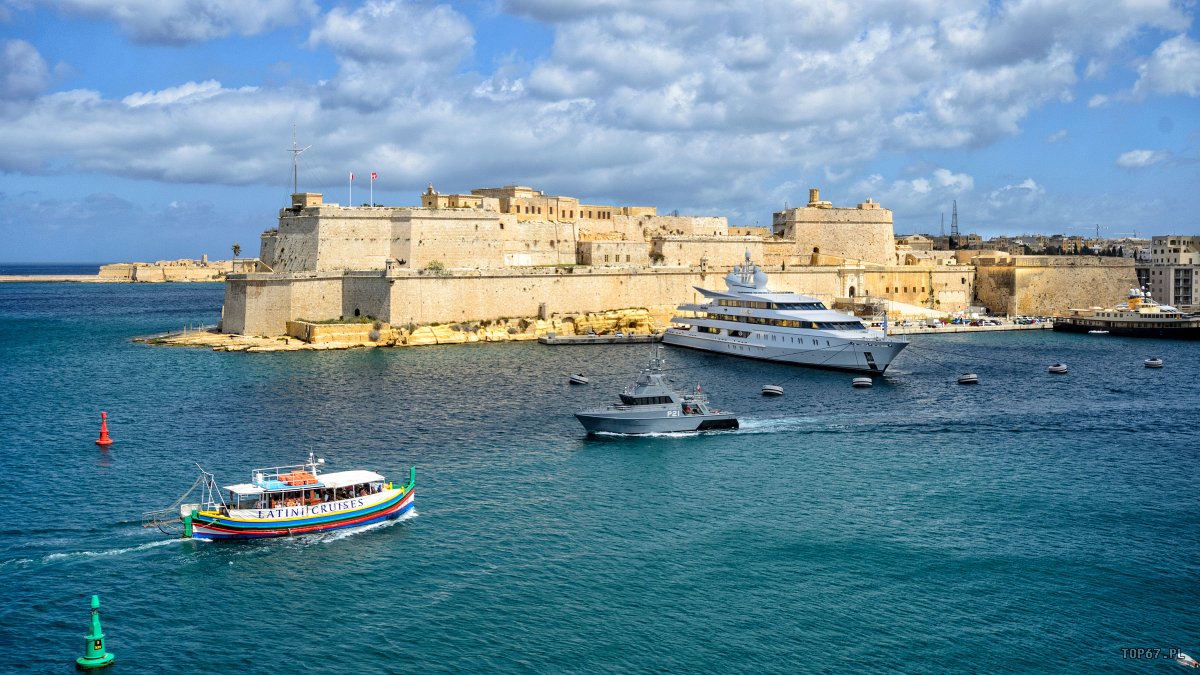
[[753, 321]]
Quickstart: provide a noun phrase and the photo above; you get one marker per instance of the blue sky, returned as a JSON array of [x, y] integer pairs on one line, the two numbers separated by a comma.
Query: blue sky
[[160, 129]]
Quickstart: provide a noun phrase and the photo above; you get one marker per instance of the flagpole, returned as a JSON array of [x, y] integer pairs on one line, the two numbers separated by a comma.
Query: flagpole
[[350, 199], [372, 188]]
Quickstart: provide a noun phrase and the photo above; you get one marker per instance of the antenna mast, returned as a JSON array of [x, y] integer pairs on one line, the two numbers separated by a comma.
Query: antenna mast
[[954, 226], [296, 150]]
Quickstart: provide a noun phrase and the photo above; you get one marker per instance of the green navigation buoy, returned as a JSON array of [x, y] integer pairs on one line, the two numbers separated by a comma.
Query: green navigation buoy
[[96, 656]]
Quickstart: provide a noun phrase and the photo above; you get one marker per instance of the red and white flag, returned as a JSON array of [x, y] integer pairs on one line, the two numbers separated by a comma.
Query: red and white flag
[[374, 175], [351, 176]]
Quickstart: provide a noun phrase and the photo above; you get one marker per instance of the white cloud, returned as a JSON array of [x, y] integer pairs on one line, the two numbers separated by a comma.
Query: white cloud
[[1057, 136], [1173, 68], [188, 21], [1098, 101], [23, 72], [1137, 159], [668, 102], [387, 48], [190, 92]]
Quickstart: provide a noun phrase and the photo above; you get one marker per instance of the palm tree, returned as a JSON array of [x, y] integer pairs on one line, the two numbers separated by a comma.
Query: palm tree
[[237, 250]]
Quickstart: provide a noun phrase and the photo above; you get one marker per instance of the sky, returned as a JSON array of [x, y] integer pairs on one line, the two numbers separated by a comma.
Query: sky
[[141, 130]]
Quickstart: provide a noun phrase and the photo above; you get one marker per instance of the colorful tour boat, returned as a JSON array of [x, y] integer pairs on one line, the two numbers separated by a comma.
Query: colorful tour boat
[[284, 501]]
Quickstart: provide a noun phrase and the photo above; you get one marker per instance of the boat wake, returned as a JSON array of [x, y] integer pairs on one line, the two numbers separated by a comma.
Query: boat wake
[[775, 425], [53, 558], [338, 535]]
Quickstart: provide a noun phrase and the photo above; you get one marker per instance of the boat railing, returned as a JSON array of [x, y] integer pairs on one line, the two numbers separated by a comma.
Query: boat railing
[[209, 497]]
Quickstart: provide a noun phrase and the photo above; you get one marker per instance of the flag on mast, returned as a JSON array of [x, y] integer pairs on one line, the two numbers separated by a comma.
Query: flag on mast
[[350, 199], [373, 177]]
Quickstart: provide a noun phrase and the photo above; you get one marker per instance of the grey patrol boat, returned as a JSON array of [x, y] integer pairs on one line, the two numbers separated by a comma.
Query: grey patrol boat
[[651, 406]]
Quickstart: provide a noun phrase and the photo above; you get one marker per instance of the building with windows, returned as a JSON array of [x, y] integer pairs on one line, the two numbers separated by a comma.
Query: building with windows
[[1173, 270]]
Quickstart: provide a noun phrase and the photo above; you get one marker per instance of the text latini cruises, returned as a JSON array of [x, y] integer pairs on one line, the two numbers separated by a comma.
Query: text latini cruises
[[752, 321], [287, 500]]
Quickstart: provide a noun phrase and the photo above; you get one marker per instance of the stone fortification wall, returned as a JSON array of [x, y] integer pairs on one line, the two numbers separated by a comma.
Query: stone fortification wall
[[719, 253], [643, 227], [167, 270], [944, 288], [619, 253], [261, 304], [1048, 285], [863, 233]]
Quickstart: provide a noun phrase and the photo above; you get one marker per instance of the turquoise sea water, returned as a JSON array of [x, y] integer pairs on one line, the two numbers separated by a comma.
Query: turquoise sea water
[[1033, 523]]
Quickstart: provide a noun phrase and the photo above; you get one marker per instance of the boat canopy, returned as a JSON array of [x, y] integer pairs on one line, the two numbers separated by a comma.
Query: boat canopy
[[326, 480], [344, 478]]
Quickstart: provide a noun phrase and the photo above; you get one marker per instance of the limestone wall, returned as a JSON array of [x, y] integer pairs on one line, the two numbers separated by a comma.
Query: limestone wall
[[862, 234], [261, 304], [720, 253], [167, 270], [612, 253], [1048, 285]]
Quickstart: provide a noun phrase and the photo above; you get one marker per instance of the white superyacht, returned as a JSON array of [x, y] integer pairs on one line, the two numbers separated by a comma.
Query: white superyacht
[[753, 321]]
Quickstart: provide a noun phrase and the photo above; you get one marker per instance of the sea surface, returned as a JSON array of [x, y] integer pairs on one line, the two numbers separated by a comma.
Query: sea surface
[[1032, 523], [51, 269]]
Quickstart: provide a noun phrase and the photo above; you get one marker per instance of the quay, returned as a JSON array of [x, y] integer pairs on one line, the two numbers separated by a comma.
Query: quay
[[946, 329], [639, 338]]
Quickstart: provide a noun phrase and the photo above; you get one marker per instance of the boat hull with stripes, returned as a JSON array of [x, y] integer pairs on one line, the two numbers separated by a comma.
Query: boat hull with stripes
[[285, 500], [248, 523]]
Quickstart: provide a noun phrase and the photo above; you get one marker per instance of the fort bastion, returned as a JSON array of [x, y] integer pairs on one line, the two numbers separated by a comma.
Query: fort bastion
[[514, 251]]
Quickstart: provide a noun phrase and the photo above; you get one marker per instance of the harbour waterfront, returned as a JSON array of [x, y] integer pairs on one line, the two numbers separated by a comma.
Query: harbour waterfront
[[1020, 525]]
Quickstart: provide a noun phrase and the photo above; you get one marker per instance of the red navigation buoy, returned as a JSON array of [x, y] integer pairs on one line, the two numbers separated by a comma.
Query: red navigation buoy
[[104, 439]]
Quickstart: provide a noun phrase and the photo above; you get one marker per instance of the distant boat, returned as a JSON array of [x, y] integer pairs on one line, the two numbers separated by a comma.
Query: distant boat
[[1153, 362], [1186, 661], [1138, 316], [578, 378], [861, 382], [772, 390], [1058, 368], [968, 378]]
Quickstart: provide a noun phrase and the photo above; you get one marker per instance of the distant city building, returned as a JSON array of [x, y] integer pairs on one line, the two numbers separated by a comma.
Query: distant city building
[[1173, 268]]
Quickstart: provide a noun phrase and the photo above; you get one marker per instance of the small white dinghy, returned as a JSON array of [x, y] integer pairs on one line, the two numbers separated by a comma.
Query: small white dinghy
[[578, 378], [772, 390], [968, 378], [1153, 362], [862, 382], [1057, 368], [1186, 661]]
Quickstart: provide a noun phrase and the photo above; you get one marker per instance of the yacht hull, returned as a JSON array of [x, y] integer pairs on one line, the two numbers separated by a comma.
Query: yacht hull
[[857, 355]]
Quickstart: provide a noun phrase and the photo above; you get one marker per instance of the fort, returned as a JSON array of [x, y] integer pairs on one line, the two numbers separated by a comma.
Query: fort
[[496, 254]]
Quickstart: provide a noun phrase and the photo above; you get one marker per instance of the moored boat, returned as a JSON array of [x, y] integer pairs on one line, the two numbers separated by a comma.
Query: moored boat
[[1153, 362], [1138, 316], [1057, 368], [287, 500], [772, 390], [578, 378], [752, 321], [862, 382], [968, 378]]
